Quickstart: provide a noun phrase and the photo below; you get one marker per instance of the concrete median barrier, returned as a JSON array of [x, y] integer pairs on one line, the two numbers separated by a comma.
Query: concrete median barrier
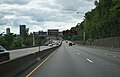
[[13, 67]]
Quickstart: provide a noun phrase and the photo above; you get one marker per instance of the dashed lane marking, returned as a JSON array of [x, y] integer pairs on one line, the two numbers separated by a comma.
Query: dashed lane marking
[[89, 60]]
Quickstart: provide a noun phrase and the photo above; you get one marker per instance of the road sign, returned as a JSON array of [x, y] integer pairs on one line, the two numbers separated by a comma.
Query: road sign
[[69, 32]]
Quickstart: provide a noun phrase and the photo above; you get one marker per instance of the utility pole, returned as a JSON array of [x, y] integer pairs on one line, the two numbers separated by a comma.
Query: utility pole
[[84, 36], [33, 38], [39, 42]]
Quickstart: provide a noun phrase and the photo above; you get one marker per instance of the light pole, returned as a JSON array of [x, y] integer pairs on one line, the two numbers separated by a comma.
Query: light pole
[[84, 37], [33, 38], [84, 34], [39, 43]]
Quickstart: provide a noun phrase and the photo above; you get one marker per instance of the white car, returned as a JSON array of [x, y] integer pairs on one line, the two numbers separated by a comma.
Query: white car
[[50, 45], [4, 54]]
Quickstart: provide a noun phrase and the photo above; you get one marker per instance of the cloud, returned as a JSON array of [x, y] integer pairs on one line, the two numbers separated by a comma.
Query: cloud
[[24, 20], [76, 5], [41, 15], [6, 12], [60, 14], [3, 21], [90, 0], [20, 2]]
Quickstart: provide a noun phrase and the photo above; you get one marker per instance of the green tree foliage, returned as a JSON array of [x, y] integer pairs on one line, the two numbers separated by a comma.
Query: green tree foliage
[[11, 41], [96, 3], [101, 22], [40, 40], [7, 40], [24, 37], [17, 43]]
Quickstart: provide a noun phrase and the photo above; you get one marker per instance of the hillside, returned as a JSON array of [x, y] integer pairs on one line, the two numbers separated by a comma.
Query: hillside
[[101, 22]]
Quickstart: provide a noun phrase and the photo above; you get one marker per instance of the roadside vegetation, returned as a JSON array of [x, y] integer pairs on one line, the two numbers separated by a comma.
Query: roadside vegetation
[[13, 41], [101, 22]]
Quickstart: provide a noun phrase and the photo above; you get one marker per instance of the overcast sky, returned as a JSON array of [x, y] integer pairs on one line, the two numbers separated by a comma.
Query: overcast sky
[[42, 14]]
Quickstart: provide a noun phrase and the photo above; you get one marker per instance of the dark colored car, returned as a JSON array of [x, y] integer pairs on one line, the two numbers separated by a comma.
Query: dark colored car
[[4, 54], [73, 43], [46, 44], [70, 44]]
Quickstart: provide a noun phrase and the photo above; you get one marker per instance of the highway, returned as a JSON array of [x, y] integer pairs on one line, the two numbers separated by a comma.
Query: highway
[[22, 52], [78, 61]]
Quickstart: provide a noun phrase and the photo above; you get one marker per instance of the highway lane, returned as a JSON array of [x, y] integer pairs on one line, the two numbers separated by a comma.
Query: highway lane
[[22, 52], [78, 61]]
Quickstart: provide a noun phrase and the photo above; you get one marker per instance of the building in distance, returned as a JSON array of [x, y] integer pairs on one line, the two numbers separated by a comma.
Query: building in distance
[[22, 29], [8, 31], [69, 32], [53, 32], [41, 33]]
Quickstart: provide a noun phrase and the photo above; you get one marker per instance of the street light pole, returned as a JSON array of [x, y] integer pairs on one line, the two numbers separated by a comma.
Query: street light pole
[[84, 37], [33, 38], [84, 34], [39, 43]]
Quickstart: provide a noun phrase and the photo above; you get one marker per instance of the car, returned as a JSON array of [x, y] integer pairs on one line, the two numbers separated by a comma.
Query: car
[[4, 54], [46, 44], [70, 44], [57, 43], [50, 45], [73, 43]]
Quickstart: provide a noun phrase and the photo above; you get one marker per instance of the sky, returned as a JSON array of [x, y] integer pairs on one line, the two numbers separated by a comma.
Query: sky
[[42, 14]]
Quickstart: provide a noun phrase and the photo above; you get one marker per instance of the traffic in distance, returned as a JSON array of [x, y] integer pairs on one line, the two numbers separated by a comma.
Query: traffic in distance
[[59, 38], [5, 55], [12, 54], [77, 61]]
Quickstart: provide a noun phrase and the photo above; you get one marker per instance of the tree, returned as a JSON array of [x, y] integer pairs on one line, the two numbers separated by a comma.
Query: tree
[[24, 37], [7, 40], [96, 3], [101, 22]]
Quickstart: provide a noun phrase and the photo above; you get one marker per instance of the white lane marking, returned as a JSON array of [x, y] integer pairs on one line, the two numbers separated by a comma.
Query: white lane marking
[[89, 60], [78, 53]]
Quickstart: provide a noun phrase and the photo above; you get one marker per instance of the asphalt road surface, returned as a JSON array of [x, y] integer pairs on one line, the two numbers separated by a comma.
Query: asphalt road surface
[[22, 52], [79, 61]]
